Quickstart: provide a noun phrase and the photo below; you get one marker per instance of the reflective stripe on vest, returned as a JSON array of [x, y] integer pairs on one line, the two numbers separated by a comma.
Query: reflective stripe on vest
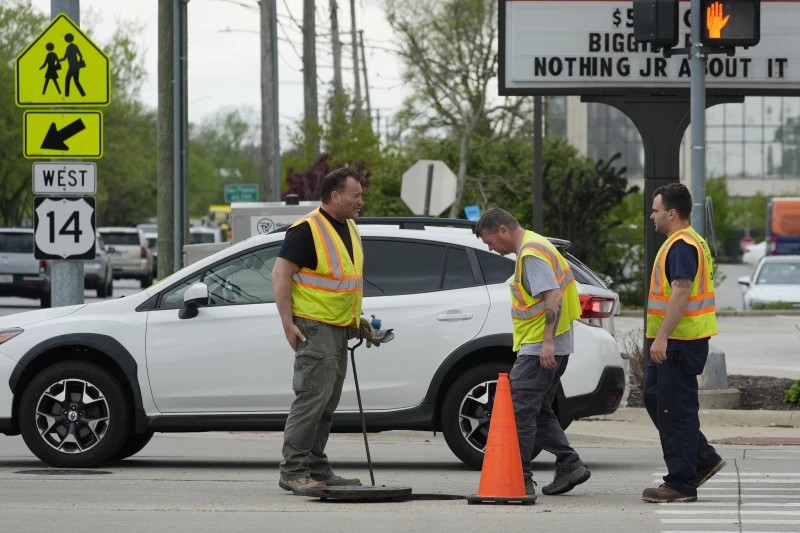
[[699, 319], [332, 292], [528, 312]]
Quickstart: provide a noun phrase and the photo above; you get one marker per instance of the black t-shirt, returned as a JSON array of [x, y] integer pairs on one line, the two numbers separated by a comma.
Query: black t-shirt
[[298, 245], [682, 262]]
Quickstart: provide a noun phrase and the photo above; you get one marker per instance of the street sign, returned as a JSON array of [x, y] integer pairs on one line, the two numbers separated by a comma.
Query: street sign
[[65, 135], [64, 228], [62, 67], [730, 22], [64, 178], [569, 47], [428, 187], [241, 192]]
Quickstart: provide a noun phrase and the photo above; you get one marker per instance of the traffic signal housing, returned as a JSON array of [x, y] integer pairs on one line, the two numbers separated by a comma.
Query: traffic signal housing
[[728, 23], [656, 21]]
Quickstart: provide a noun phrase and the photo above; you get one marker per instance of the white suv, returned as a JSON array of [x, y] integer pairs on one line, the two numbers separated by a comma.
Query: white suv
[[204, 350]]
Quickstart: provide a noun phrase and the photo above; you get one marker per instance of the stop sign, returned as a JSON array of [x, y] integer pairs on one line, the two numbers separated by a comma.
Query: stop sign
[[746, 241], [428, 184]]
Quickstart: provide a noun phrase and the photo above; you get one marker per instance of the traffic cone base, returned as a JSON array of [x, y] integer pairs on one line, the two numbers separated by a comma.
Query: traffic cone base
[[501, 476]]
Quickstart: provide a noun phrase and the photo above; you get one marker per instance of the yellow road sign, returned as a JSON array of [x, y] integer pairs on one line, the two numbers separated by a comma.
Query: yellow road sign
[[63, 67], [65, 135]]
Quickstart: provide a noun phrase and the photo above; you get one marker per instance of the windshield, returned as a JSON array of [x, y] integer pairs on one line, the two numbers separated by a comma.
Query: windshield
[[779, 274], [16, 243], [121, 239]]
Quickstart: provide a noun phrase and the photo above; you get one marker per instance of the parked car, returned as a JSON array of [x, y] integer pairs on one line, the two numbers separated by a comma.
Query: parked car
[[204, 350], [775, 280], [129, 254], [754, 252], [21, 274], [98, 273], [204, 234], [152, 245]]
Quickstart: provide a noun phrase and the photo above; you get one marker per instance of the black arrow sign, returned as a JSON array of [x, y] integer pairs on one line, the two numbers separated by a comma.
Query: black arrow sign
[[54, 140]]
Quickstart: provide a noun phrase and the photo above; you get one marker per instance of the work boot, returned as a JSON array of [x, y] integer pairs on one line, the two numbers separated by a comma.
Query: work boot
[[708, 473], [339, 481], [301, 485], [566, 480], [530, 488], [664, 494]]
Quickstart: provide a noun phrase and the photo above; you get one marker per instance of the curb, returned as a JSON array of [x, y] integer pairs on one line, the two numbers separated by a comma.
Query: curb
[[715, 417]]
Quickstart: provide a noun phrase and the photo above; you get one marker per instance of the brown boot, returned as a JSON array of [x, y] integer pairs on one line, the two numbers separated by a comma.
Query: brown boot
[[664, 494]]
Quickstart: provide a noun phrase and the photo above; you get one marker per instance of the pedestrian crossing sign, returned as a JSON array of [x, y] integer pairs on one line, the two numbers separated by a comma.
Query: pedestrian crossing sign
[[62, 67]]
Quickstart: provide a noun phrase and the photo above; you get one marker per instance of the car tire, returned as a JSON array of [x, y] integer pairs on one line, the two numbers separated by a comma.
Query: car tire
[[89, 438], [135, 443], [146, 281], [102, 290], [464, 406], [472, 384], [44, 301]]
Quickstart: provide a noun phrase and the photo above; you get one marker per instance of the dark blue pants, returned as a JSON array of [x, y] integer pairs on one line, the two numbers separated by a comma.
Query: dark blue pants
[[670, 396]]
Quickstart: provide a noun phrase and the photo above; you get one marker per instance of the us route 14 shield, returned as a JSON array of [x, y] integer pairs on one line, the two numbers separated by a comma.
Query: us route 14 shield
[[64, 228]]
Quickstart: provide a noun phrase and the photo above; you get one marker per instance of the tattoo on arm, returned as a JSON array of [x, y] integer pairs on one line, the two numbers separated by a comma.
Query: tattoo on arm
[[683, 283], [549, 317]]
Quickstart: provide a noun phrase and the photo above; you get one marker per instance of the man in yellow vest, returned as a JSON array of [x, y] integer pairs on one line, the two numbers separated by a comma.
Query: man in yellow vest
[[318, 286], [544, 302], [680, 319]]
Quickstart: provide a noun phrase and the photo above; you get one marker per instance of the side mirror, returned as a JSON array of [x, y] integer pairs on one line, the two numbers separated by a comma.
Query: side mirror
[[195, 296], [608, 281], [744, 281], [110, 249]]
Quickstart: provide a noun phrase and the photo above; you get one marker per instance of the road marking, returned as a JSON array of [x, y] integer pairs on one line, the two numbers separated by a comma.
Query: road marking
[[725, 521], [726, 511], [771, 496]]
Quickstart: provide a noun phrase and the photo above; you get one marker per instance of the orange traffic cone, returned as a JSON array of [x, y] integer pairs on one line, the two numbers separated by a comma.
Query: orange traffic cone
[[501, 476]]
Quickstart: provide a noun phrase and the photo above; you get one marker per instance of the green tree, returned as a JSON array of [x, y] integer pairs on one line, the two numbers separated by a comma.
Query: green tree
[[19, 24], [449, 51]]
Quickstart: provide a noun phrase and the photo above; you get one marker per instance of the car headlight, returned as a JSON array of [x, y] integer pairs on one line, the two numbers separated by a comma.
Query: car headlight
[[8, 334]]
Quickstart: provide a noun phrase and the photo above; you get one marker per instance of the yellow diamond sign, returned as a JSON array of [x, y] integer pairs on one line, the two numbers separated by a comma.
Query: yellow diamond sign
[[63, 67]]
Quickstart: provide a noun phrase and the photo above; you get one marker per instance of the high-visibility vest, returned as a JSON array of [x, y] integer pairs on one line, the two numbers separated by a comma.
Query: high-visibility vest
[[699, 320], [332, 292], [528, 312]]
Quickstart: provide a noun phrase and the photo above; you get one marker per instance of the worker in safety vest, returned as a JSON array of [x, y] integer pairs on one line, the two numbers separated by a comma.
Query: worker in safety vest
[[544, 303], [680, 319], [318, 286]]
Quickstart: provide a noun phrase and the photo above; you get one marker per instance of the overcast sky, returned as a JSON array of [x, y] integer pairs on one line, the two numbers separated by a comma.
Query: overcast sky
[[224, 70]]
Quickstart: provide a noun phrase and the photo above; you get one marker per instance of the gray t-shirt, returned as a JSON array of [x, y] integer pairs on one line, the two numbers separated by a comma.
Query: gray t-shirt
[[537, 277]]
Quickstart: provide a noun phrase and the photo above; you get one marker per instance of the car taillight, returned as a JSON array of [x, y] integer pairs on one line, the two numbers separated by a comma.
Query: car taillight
[[596, 306], [42, 266], [773, 245], [142, 252]]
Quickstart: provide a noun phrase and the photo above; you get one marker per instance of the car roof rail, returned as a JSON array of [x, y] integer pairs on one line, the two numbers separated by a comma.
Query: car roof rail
[[417, 222]]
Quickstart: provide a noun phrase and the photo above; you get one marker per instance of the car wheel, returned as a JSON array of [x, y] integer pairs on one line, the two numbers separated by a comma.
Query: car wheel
[[74, 414], [146, 281], [102, 290], [467, 409], [44, 301], [134, 444]]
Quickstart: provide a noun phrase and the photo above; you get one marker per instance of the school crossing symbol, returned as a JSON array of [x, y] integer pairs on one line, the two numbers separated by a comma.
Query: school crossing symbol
[[62, 67]]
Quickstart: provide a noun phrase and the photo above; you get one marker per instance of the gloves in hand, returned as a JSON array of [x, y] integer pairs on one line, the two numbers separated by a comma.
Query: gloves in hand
[[366, 331]]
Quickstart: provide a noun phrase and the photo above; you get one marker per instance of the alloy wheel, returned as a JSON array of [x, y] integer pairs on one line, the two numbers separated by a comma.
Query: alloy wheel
[[72, 416], [475, 412]]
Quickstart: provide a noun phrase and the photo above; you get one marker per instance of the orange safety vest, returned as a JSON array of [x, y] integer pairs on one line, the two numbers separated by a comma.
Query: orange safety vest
[[699, 320], [332, 292]]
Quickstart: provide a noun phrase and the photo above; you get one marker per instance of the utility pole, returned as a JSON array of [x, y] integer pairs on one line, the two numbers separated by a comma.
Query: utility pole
[[270, 130], [66, 275], [354, 41], [364, 64], [697, 111], [310, 102], [165, 180], [337, 50]]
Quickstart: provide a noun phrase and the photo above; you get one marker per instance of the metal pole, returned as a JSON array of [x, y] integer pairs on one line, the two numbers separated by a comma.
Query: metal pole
[[538, 174], [354, 42], [183, 126], [364, 65], [177, 183], [428, 186], [276, 129], [66, 276], [697, 66]]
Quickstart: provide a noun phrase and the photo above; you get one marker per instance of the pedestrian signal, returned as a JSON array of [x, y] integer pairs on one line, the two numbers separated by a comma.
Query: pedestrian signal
[[726, 23], [656, 21]]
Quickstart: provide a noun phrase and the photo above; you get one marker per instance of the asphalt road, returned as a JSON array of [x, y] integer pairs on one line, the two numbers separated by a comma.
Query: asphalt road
[[228, 482]]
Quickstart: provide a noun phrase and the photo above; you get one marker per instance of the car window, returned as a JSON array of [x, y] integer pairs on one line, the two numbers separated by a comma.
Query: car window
[[201, 238], [495, 268], [16, 243], [244, 279], [582, 273], [779, 274], [121, 239], [457, 271], [402, 267]]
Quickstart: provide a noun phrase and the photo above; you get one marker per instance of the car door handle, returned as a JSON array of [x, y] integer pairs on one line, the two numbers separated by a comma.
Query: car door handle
[[451, 316]]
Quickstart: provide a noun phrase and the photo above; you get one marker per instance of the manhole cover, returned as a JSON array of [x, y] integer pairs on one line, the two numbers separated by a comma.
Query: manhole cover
[[63, 472]]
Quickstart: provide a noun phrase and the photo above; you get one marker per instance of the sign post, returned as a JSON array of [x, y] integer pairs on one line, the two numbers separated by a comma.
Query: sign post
[[428, 187], [63, 68]]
